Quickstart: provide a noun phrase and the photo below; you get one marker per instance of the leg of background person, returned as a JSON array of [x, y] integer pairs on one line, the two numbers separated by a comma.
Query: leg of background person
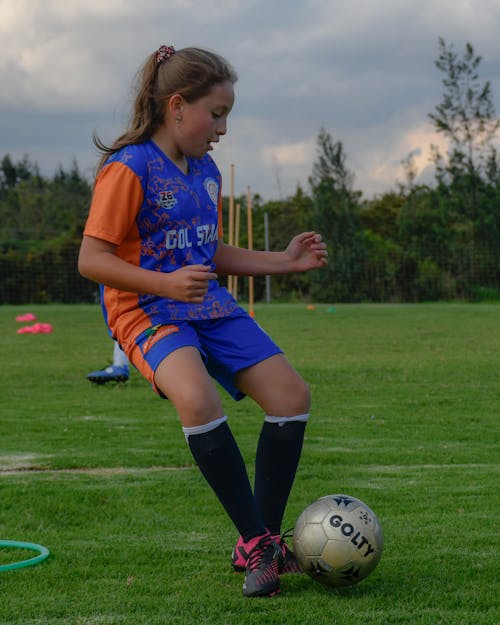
[[116, 372], [119, 357]]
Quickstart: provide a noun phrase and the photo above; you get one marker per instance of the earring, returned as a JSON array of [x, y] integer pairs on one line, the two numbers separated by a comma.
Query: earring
[[178, 119]]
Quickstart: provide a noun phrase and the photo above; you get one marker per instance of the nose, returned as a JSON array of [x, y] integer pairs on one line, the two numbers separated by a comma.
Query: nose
[[222, 128]]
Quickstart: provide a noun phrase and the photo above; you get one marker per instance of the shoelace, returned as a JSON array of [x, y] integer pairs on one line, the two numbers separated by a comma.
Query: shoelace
[[256, 556], [289, 563], [286, 534]]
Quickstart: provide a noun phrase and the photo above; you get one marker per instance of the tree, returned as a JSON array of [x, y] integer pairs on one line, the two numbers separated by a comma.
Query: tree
[[35, 209], [336, 215], [12, 173], [380, 218], [466, 117], [41, 221], [468, 176], [286, 218]]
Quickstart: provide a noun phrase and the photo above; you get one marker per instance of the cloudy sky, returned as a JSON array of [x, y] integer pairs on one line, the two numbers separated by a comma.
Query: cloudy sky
[[362, 69]]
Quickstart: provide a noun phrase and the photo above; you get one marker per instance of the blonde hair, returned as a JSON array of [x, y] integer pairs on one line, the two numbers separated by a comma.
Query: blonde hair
[[191, 72]]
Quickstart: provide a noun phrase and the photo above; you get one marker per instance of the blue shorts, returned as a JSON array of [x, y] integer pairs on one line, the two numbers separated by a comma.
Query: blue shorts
[[227, 345]]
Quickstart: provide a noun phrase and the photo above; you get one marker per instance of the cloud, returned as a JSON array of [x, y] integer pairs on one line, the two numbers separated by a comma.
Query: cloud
[[362, 70], [385, 169], [299, 153]]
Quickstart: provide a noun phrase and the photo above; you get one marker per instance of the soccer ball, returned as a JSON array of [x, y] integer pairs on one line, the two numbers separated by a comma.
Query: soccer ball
[[338, 540]]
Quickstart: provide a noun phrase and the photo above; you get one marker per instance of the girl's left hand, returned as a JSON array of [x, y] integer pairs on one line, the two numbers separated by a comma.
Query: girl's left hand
[[307, 251]]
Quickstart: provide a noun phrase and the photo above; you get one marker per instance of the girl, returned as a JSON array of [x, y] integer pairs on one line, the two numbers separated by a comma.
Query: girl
[[153, 239]]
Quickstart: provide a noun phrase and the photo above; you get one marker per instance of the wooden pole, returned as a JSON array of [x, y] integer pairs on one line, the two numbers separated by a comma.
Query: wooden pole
[[237, 244], [250, 247], [266, 247], [231, 222]]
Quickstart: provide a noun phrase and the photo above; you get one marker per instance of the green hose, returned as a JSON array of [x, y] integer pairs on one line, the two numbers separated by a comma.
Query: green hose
[[15, 544]]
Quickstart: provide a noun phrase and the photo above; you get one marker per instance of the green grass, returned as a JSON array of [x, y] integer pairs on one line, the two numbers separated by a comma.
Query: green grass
[[406, 401]]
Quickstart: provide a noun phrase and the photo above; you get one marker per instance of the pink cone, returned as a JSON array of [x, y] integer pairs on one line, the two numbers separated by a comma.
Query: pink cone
[[26, 330], [38, 328], [43, 328], [26, 317]]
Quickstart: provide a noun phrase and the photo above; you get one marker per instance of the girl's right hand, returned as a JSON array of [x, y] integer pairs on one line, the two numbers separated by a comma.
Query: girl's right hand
[[188, 284], [98, 262]]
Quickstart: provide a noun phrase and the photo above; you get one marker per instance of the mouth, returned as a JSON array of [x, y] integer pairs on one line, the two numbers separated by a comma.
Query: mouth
[[209, 145]]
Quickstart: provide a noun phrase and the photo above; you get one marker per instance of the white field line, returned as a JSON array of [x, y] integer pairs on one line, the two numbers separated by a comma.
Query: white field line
[[91, 470]]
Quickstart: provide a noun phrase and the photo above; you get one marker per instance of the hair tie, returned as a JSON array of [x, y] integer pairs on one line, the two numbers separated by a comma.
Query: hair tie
[[163, 53]]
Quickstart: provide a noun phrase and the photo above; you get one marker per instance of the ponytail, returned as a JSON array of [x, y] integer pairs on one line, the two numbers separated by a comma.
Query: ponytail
[[191, 72]]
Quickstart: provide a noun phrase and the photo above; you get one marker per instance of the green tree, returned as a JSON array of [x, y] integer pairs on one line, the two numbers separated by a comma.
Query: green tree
[[468, 175], [35, 209], [466, 117], [12, 173], [380, 219], [426, 235], [336, 215], [286, 218], [41, 222]]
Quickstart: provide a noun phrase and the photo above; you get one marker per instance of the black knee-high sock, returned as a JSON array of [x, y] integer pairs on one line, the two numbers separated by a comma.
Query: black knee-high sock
[[278, 455], [222, 465]]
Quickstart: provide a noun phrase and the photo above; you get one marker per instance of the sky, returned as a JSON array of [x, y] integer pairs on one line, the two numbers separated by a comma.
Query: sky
[[361, 69]]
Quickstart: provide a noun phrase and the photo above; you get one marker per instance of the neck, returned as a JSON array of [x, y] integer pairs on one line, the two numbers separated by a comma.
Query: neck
[[168, 147]]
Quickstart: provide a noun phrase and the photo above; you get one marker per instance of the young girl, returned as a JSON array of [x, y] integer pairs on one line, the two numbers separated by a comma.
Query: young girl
[[154, 240]]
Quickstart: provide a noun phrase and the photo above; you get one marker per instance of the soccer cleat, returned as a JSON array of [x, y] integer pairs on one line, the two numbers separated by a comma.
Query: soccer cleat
[[262, 571], [240, 556], [289, 563], [109, 374]]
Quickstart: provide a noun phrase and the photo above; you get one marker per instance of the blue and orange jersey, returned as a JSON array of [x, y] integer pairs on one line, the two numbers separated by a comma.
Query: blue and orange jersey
[[160, 219]]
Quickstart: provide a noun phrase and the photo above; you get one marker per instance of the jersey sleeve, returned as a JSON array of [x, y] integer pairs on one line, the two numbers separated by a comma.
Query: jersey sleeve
[[116, 201]]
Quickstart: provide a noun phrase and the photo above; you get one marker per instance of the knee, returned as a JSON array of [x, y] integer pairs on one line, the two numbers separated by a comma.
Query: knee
[[302, 397], [296, 400], [196, 407]]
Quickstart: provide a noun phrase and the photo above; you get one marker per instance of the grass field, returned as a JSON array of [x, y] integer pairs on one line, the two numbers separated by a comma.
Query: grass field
[[406, 405]]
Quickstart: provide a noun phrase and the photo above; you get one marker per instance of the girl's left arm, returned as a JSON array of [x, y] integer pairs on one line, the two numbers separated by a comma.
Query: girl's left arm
[[304, 252]]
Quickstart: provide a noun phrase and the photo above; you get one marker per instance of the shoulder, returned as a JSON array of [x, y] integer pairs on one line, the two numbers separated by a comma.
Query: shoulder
[[141, 159], [136, 157]]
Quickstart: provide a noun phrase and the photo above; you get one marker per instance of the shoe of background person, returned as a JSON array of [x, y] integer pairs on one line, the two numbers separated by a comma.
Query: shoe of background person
[[289, 563], [109, 374], [262, 571]]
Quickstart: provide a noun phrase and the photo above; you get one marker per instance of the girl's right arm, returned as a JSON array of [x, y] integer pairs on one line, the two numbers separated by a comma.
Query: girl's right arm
[[98, 261]]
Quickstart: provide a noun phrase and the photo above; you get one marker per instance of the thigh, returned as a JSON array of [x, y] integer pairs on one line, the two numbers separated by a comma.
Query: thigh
[[184, 379], [275, 385], [232, 344]]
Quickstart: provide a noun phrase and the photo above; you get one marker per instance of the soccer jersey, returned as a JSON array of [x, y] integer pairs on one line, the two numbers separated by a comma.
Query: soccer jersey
[[161, 219]]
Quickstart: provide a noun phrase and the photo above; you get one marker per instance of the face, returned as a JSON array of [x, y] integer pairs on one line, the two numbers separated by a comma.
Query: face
[[204, 121]]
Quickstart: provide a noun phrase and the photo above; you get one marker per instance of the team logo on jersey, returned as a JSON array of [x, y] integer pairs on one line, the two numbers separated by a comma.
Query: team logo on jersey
[[167, 199], [212, 189]]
